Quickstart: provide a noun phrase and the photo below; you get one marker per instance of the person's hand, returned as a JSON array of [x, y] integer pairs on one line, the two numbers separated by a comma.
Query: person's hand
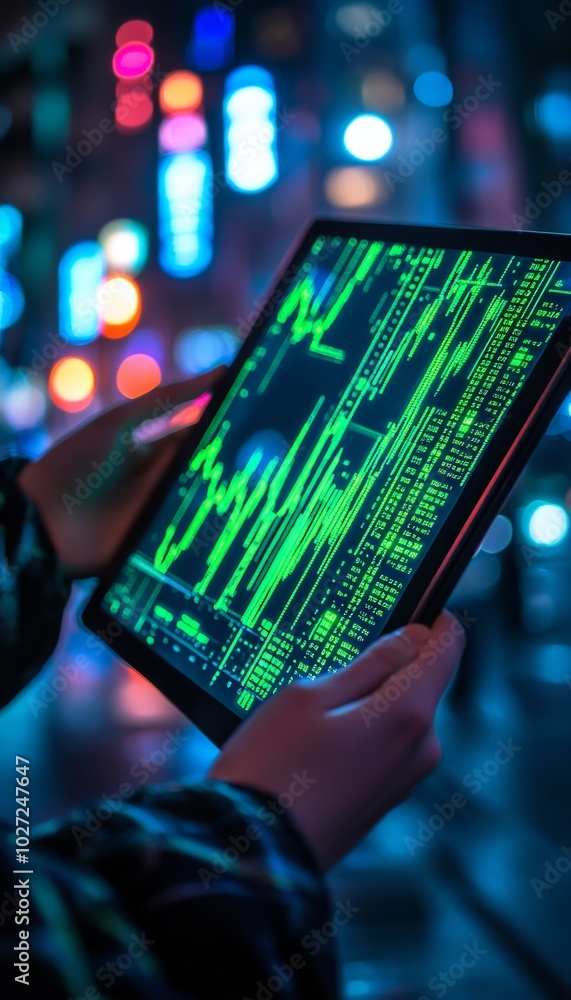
[[91, 486], [359, 739]]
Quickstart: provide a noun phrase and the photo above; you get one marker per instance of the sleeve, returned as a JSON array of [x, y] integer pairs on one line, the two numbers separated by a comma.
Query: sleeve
[[33, 586], [204, 891]]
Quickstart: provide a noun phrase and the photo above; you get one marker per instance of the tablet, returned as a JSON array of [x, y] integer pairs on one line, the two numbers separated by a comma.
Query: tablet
[[348, 465]]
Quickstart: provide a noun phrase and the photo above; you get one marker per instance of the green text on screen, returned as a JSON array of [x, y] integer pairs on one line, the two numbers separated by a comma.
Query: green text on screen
[[343, 445]]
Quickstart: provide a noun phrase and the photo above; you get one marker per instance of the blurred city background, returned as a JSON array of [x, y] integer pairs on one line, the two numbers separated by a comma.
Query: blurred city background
[[137, 236]]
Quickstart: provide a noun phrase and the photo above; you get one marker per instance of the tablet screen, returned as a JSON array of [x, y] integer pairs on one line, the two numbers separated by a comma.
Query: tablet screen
[[381, 375]]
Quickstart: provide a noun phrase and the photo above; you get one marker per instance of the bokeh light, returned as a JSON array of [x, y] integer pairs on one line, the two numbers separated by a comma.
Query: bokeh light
[[137, 374], [72, 384], [368, 137], [498, 536], [364, 20], [23, 405], [185, 213], [132, 114], [199, 350], [545, 524], [180, 91], [250, 133], [553, 114], [81, 269], [262, 448], [132, 60], [212, 43], [182, 133], [10, 232], [433, 89], [382, 91], [12, 300], [134, 31], [118, 305], [125, 244], [354, 187]]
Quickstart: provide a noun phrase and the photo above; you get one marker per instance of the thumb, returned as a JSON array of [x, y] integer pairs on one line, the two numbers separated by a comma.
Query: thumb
[[373, 667]]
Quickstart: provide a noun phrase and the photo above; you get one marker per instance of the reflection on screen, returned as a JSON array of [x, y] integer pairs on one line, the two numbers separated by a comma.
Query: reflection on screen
[[333, 462]]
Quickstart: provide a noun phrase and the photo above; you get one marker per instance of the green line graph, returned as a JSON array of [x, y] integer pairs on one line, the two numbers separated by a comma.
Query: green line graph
[[343, 444]]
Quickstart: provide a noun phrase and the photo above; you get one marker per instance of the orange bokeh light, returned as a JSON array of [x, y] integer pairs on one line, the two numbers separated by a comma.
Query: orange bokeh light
[[118, 305], [72, 384], [180, 91], [137, 374]]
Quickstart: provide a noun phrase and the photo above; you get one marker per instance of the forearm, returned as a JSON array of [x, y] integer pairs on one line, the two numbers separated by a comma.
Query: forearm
[[219, 889]]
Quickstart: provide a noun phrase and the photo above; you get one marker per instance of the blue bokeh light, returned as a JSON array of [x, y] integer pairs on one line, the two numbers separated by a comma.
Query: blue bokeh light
[[553, 114], [545, 524], [10, 232], [12, 300], [199, 350], [185, 213], [212, 44], [250, 130], [81, 270], [433, 89]]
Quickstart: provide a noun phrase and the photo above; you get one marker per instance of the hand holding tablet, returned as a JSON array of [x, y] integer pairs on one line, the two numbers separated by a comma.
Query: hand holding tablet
[[334, 756]]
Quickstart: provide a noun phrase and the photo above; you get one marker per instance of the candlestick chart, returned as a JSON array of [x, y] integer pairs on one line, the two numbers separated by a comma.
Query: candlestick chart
[[348, 434]]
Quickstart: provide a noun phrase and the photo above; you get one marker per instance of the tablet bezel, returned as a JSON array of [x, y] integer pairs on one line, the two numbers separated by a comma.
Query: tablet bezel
[[462, 531]]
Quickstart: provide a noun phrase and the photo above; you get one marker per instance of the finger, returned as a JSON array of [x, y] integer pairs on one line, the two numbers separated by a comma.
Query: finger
[[369, 670], [168, 396], [435, 667]]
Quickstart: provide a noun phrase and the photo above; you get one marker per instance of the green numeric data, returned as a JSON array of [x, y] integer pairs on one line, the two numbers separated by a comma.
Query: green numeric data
[[341, 448]]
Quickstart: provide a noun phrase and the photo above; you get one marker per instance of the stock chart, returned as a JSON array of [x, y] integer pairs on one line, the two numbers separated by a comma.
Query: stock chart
[[381, 376]]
